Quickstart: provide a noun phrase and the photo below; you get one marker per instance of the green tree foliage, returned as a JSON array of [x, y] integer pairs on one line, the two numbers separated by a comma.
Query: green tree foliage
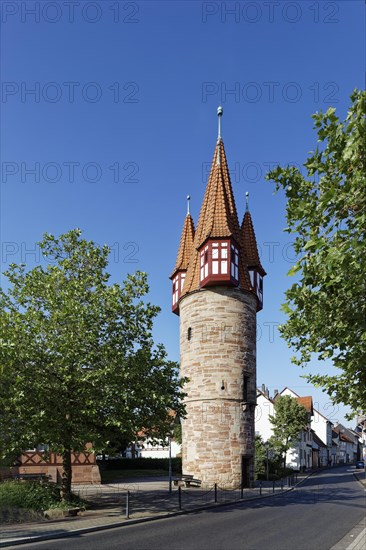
[[78, 363], [260, 457], [326, 211], [289, 420]]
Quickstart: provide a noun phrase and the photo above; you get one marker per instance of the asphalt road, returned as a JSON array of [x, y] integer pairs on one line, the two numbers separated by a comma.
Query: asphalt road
[[315, 516]]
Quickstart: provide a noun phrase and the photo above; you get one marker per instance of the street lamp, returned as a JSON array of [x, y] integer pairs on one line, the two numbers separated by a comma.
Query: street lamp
[[170, 461]]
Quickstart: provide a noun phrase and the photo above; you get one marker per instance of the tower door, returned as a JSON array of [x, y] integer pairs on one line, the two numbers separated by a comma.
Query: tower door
[[245, 471]]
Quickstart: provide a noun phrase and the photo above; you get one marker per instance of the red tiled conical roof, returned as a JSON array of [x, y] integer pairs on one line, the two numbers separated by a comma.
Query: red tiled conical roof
[[218, 219], [185, 245], [249, 244]]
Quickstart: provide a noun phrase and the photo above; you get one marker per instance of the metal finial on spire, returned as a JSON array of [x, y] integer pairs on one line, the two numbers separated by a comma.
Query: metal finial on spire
[[219, 114], [220, 111], [247, 200], [188, 201]]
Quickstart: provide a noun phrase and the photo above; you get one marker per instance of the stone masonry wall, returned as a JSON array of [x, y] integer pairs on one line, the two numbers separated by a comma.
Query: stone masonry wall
[[218, 355]]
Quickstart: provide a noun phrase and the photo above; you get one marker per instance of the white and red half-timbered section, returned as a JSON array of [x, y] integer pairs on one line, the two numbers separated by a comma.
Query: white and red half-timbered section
[[178, 282], [219, 263], [34, 462]]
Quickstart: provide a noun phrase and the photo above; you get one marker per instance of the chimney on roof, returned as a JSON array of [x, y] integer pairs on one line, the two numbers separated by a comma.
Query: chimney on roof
[[275, 393], [267, 393], [263, 388]]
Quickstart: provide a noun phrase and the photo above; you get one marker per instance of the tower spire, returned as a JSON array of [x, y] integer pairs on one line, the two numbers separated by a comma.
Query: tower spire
[[188, 205], [247, 201], [219, 114]]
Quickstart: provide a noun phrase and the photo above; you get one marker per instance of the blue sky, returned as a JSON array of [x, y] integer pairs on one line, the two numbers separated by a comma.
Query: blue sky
[[121, 126]]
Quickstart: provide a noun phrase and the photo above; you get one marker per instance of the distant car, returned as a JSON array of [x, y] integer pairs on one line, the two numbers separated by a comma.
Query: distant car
[[360, 464]]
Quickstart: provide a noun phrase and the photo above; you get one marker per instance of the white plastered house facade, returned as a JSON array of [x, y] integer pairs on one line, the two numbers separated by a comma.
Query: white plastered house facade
[[151, 449], [322, 427], [301, 455]]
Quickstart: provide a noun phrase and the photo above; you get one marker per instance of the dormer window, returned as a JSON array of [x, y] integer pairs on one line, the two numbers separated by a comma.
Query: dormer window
[[234, 263], [178, 283], [219, 263], [256, 280]]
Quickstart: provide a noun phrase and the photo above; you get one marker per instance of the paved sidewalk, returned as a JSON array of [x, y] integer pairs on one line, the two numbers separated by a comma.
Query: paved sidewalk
[[354, 540], [147, 500]]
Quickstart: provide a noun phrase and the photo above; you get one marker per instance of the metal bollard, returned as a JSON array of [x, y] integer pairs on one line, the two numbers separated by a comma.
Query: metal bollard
[[273, 487], [260, 487], [128, 505], [180, 497], [215, 492]]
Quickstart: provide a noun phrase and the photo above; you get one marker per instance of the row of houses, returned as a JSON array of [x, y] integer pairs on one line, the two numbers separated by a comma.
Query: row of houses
[[321, 443]]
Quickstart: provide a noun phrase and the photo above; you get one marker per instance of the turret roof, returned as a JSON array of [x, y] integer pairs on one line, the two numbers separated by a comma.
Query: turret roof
[[249, 245], [185, 245], [218, 219], [218, 216]]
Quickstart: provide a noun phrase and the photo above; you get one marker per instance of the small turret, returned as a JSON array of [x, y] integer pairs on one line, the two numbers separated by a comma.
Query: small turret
[[181, 265], [250, 249]]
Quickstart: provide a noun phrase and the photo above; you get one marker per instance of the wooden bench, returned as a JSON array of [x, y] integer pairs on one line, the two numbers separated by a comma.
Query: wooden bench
[[32, 477], [193, 482], [181, 479], [187, 480]]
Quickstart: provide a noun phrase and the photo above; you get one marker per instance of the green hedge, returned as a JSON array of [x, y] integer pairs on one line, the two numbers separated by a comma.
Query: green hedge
[[142, 464]]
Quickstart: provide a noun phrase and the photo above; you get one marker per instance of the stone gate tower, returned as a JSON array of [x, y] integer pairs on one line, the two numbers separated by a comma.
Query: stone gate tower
[[217, 291]]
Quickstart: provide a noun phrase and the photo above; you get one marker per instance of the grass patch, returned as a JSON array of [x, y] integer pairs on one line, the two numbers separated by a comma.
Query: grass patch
[[25, 500], [31, 495]]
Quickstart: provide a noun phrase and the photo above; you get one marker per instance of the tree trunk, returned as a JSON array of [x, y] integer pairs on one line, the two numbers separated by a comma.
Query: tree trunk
[[285, 449], [66, 475]]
